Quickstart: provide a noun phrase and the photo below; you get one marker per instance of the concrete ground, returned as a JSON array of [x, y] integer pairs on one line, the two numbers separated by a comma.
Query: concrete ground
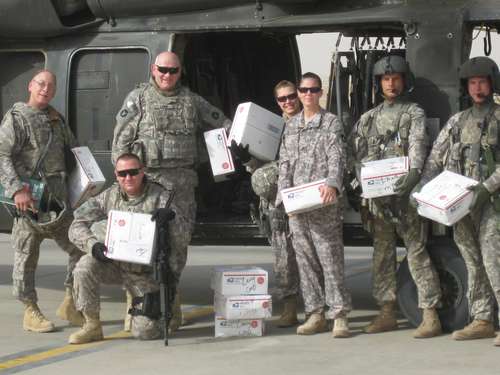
[[194, 350]]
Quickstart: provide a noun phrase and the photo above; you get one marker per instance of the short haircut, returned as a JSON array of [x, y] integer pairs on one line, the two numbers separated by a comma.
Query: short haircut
[[311, 75], [129, 156], [282, 84]]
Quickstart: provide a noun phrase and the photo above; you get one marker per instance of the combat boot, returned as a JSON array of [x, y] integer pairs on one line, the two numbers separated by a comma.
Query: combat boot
[[385, 320], [67, 310], [34, 320], [430, 326], [496, 342], [316, 323], [91, 330], [127, 322], [341, 327], [478, 329], [288, 317], [176, 321]]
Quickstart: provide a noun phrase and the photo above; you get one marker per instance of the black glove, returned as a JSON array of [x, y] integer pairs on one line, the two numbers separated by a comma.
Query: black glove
[[99, 252], [162, 216], [481, 196], [406, 183], [240, 152]]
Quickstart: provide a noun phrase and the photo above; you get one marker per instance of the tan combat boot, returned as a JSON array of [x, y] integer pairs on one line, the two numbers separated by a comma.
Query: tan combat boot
[[176, 321], [385, 320], [34, 320], [478, 329], [496, 342], [316, 323], [430, 326], [91, 330], [67, 310], [127, 322], [341, 328], [288, 317]]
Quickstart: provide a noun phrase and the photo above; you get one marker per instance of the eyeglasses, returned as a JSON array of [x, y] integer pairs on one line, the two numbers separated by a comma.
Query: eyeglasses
[[44, 85], [168, 69], [312, 90], [131, 172], [290, 97]]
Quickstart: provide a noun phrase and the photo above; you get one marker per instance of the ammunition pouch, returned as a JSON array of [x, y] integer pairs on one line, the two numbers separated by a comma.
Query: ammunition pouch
[[150, 305]]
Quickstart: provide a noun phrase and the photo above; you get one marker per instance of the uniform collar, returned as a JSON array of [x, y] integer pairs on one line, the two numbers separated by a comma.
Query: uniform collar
[[481, 110], [173, 92], [315, 122], [134, 201]]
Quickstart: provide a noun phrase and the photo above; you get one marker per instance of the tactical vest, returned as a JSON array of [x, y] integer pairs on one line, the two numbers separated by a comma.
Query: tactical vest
[[167, 129]]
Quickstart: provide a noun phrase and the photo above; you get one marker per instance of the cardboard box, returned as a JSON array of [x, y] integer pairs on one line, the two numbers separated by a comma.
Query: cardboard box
[[130, 237], [445, 199], [86, 180], [378, 177], [241, 328], [258, 128], [221, 160], [303, 198], [231, 281], [36, 188], [243, 307]]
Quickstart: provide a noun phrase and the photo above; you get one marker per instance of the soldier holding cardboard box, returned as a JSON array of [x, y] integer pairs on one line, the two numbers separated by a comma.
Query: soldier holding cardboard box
[[396, 128]]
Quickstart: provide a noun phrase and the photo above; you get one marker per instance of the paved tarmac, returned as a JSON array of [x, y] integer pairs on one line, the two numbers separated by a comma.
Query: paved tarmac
[[194, 350]]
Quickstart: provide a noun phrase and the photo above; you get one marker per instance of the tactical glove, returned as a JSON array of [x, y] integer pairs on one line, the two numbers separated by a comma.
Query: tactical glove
[[416, 189], [278, 219], [481, 196], [99, 252], [162, 216], [406, 183], [240, 152]]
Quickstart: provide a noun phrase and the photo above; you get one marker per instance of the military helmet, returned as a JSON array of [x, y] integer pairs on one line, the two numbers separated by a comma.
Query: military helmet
[[265, 181], [480, 66], [389, 65]]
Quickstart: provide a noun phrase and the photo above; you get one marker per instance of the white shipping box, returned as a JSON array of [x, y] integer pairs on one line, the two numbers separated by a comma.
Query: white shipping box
[[303, 198], [378, 177], [231, 281], [243, 307], [242, 327], [258, 128], [221, 160], [130, 237], [86, 180], [445, 199]]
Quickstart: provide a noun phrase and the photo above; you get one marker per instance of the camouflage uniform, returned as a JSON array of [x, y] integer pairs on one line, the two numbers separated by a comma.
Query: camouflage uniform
[[477, 235], [393, 130], [312, 151], [89, 227], [24, 133], [162, 129]]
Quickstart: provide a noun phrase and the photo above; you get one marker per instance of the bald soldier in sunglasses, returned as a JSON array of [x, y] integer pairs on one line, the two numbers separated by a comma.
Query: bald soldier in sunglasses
[[159, 122]]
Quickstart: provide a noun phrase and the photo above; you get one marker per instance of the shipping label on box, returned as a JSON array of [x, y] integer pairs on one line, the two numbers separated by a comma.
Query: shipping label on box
[[378, 177], [303, 198], [238, 328], [36, 187], [445, 199], [86, 180], [221, 160], [130, 237], [243, 307], [231, 281], [259, 128]]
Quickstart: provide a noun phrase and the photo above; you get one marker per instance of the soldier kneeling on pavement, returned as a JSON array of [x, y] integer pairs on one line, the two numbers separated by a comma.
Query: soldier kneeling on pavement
[[133, 193]]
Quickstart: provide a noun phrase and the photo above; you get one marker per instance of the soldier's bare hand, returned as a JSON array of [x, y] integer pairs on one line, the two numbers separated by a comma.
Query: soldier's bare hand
[[23, 200], [328, 194]]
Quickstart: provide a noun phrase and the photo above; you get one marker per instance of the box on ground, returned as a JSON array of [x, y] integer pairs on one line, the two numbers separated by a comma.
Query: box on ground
[[445, 199], [221, 160], [130, 237], [303, 198], [378, 177], [243, 307], [36, 187], [86, 180], [258, 128], [242, 327], [231, 281]]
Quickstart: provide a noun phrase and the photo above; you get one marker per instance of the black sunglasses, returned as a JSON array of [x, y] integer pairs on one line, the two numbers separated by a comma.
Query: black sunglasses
[[312, 90], [168, 69], [282, 99], [130, 172]]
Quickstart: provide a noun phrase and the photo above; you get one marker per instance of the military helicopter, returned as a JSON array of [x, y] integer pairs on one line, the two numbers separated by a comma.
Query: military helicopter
[[235, 51]]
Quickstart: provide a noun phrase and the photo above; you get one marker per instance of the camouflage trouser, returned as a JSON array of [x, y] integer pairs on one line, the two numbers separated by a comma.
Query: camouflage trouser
[[26, 240], [286, 273], [480, 249], [183, 181], [317, 240], [413, 230], [90, 274]]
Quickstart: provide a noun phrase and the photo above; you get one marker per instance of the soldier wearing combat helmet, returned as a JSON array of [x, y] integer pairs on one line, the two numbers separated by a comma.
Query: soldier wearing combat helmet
[[469, 145], [396, 128]]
